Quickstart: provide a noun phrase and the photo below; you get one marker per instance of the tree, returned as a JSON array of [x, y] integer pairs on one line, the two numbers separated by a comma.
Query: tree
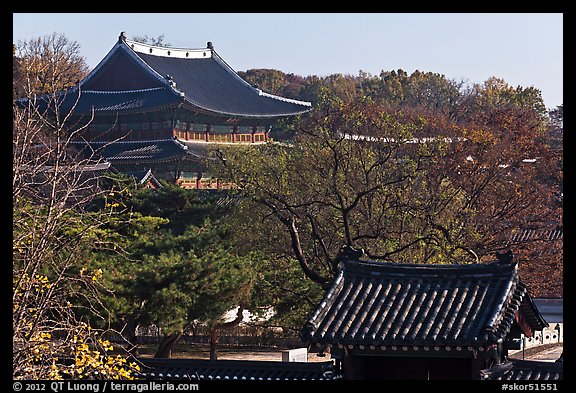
[[497, 94], [337, 184], [53, 231], [510, 177], [557, 118], [194, 288], [424, 90], [403, 184], [17, 83], [285, 296], [47, 65], [177, 268], [270, 81], [555, 133]]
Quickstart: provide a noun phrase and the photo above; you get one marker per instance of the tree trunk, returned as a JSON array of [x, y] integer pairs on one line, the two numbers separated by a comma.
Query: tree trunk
[[165, 347], [215, 331], [214, 343], [129, 333]]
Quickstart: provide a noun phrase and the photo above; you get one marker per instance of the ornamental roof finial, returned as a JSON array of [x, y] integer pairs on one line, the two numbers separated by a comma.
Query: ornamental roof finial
[[122, 37], [209, 45]]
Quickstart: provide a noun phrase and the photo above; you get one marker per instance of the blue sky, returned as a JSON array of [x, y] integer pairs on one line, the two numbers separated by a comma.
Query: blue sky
[[524, 49]]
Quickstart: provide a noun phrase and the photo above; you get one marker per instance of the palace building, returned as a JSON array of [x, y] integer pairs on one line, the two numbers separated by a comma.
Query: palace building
[[160, 108]]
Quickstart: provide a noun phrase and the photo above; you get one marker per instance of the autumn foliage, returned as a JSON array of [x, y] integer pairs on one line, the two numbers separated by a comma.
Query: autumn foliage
[[405, 184]]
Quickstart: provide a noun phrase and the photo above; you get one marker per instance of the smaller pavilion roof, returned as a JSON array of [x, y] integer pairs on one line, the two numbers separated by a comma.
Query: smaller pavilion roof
[[138, 152], [374, 304], [143, 176], [551, 233]]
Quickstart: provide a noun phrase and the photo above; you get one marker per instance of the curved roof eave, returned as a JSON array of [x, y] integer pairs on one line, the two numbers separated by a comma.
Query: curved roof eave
[[206, 110]]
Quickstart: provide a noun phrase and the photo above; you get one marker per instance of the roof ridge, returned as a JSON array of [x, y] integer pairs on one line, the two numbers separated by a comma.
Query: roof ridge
[[161, 49], [351, 263]]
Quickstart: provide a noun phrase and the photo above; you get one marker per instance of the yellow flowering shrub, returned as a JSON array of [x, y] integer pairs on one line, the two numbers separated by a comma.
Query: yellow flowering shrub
[[49, 351]]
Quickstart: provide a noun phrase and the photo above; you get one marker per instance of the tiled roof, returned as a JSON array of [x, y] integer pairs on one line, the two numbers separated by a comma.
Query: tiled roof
[[525, 370], [133, 152], [532, 234], [212, 85], [236, 370], [143, 176], [384, 305], [551, 309], [135, 77]]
